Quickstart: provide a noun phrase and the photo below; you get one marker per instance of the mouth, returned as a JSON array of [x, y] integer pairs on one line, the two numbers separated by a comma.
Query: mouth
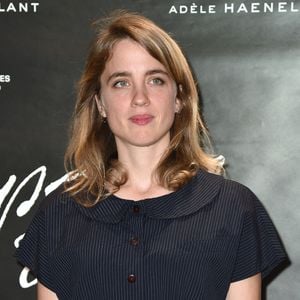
[[141, 119]]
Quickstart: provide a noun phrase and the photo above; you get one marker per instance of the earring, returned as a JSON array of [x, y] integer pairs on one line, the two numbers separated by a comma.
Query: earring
[[180, 87], [178, 110]]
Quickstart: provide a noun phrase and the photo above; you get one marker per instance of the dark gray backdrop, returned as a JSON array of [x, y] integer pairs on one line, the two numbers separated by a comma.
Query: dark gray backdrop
[[248, 66]]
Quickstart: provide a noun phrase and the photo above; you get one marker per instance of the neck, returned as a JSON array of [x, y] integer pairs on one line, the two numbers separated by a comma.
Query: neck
[[140, 163]]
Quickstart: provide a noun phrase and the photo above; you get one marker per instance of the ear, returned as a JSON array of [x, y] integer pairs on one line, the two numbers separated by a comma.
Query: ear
[[100, 106]]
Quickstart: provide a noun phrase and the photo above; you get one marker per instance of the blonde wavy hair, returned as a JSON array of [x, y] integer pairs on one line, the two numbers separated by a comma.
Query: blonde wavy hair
[[92, 154]]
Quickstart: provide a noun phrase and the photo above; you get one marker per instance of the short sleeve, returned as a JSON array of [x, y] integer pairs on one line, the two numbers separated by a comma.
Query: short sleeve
[[260, 249], [32, 251]]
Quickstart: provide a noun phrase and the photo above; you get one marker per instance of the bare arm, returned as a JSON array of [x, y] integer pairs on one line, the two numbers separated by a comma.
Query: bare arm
[[44, 293], [247, 289]]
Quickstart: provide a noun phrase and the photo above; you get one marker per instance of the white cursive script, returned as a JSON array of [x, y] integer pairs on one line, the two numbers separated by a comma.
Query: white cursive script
[[25, 206]]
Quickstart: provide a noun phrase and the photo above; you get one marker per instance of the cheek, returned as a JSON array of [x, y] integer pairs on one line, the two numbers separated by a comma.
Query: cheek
[[116, 113], [167, 103], [112, 106]]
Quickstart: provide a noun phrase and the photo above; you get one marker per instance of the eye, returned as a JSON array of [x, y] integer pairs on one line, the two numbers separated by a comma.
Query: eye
[[157, 81], [120, 84]]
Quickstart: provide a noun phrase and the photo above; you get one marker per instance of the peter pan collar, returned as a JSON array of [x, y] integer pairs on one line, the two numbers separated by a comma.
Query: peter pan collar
[[194, 195]]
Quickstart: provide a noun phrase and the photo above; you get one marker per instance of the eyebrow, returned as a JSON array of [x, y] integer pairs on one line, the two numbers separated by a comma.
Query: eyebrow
[[128, 74]]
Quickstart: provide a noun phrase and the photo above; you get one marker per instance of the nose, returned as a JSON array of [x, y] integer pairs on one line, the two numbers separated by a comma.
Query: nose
[[140, 96]]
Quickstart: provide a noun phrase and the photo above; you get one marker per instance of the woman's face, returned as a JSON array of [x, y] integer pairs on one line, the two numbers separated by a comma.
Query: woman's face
[[138, 96]]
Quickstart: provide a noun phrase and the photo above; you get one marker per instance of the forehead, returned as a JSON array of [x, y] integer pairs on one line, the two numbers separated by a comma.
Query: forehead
[[127, 53]]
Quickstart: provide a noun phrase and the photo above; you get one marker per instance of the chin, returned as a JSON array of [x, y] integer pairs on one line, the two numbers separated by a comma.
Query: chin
[[145, 140], [144, 143]]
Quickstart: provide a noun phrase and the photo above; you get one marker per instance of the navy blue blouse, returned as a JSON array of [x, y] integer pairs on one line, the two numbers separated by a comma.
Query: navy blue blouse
[[189, 244]]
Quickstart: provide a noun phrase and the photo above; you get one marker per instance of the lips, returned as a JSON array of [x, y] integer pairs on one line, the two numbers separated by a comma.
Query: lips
[[143, 119]]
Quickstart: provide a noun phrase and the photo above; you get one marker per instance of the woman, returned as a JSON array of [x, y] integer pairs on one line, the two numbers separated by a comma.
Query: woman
[[145, 214]]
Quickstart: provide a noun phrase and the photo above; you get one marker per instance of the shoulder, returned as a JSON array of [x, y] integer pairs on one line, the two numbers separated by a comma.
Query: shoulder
[[231, 194], [227, 187], [58, 202], [239, 193]]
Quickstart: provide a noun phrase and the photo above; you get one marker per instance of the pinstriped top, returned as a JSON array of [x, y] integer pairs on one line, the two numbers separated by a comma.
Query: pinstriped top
[[189, 244]]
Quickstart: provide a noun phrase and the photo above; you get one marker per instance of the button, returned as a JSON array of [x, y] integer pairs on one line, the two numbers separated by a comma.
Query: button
[[134, 241], [136, 209], [131, 278]]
